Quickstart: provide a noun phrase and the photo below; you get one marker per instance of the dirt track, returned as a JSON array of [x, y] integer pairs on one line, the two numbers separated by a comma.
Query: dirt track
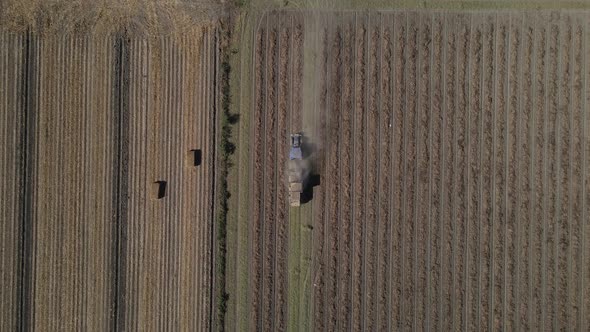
[[453, 170]]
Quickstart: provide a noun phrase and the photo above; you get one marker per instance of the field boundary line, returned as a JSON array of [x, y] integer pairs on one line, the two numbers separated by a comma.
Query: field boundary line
[[405, 170], [429, 247], [532, 134], [584, 156], [366, 152], [519, 133], [544, 244], [354, 170], [444, 110]]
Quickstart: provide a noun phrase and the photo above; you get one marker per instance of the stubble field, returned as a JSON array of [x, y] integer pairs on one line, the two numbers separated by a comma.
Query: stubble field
[[89, 122]]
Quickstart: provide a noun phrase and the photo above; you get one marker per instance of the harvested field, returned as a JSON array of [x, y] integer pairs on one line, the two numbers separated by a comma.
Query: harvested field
[[452, 155], [88, 124]]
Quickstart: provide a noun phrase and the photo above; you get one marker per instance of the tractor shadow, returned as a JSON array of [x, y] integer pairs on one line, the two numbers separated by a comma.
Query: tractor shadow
[[309, 152], [307, 194]]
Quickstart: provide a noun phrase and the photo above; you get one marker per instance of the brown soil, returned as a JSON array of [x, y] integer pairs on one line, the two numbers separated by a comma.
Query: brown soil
[[451, 149], [384, 229], [358, 187], [256, 208], [397, 168], [448, 237], [345, 157], [319, 254]]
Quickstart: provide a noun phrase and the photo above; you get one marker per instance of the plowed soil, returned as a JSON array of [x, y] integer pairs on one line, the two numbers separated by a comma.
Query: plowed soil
[[452, 157]]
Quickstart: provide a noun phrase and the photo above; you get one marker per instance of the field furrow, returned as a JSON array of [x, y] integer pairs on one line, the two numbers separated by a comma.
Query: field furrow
[[448, 235], [346, 172], [269, 212], [512, 116], [257, 180], [436, 170], [463, 39], [281, 202], [525, 183], [409, 174], [473, 173], [371, 173], [563, 178], [397, 168], [577, 123], [359, 167], [319, 254], [385, 157]]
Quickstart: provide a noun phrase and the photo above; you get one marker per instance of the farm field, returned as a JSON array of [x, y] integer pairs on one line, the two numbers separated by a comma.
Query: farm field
[[452, 155], [88, 123]]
